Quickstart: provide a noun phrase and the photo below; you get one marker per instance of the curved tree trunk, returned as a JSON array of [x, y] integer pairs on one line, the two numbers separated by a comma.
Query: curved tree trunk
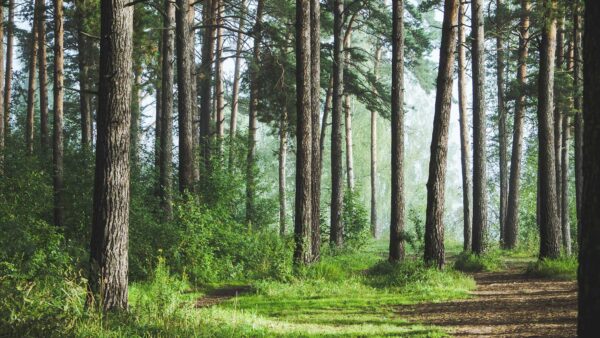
[[337, 181], [302, 223], [29, 122], [315, 70], [396, 248], [589, 255], [434, 223], [479, 126], [464, 129], [110, 222], [512, 216], [166, 121], [548, 221], [185, 100], [57, 144]]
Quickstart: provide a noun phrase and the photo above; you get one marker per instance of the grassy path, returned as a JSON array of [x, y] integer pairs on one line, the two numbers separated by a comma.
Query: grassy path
[[506, 304]]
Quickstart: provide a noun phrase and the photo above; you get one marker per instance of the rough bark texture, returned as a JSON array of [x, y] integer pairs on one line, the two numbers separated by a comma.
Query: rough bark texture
[[166, 129], [185, 100], [1, 93], [502, 133], [396, 248], [43, 77], [110, 222], [578, 105], [564, 170], [548, 208], [85, 103], [219, 82], [479, 130], [204, 77], [589, 254], [465, 154], [434, 222], [252, 115], [374, 229], [10, 32], [337, 181], [348, 114], [512, 215], [302, 223], [283, 135], [58, 91], [558, 112], [29, 122], [326, 111], [236, 73], [315, 76]]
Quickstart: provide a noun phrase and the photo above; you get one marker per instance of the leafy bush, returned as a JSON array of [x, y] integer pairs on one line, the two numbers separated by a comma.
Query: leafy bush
[[470, 262], [356, 221], [564, 267]]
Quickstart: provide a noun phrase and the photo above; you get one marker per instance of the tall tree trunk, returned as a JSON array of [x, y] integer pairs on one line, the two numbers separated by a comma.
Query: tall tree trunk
[[85, 104], [558, 112], [29, 122], [315, 76], [577, 84], [549, 222], [236, 76], [219, 87], [512, 216], [283, 135], [2, 112], [434, 223], [166, 130], [589, 255], [479, 134], [205, 76], [136, 111], [348, 115], [57, 144], [252, 115], [337, 186], [326, 109], [502, 133], [396, 248], [564, 181], [43, 77], [465, 155], [374, 229], [158, 103], [302, 223], [110, 222], [10, 32], [185, 100]]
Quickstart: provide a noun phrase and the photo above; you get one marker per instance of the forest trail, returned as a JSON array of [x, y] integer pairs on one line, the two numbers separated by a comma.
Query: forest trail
[[506, 304], [221, 294]]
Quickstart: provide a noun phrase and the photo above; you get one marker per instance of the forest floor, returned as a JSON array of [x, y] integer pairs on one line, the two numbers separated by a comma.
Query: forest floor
[[507, 303]]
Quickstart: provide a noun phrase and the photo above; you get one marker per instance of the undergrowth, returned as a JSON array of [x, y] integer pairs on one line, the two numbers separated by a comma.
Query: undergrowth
[[564, 267], [470, 262]]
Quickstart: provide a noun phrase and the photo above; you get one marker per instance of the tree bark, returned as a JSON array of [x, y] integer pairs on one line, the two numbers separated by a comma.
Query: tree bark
[[315, 76], [205, 76], [479, 130], [29, 122], [283, 135], [337, 186], [43, 77], [166, 130], [2, 112], [326, 109], [252, 115], [185, 99], [110, 222], [236, 73], [548, 207], [57, 144], [302, 223], [396, 248], [512, 216], [464, 129], [564, 180], [85, 104], [374, 229], [219, 87], [502, 133], [558, 112], [136, 109], [434, 223], [589, 254], [348, 115], [577, 84], [10, 32]]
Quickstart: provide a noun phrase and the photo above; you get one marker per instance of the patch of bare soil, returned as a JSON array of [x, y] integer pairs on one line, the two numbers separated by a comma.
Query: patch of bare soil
[[505, 304], [221, 294]]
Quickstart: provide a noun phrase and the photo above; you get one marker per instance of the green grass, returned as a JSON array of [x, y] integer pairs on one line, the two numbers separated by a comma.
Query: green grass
[[564, 267], [494, 260]]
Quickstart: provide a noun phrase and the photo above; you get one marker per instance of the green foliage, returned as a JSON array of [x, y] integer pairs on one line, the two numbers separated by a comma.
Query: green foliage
[[564, 267], [356, 221], [470, 262]]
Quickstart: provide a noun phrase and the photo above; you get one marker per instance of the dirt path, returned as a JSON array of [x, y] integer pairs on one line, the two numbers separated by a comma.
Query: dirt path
[[221, 294], [506, 304]]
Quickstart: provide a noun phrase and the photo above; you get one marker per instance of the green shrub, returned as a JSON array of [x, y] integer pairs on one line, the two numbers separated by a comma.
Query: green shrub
[[564, 267], [357, 227], [470, 262]]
